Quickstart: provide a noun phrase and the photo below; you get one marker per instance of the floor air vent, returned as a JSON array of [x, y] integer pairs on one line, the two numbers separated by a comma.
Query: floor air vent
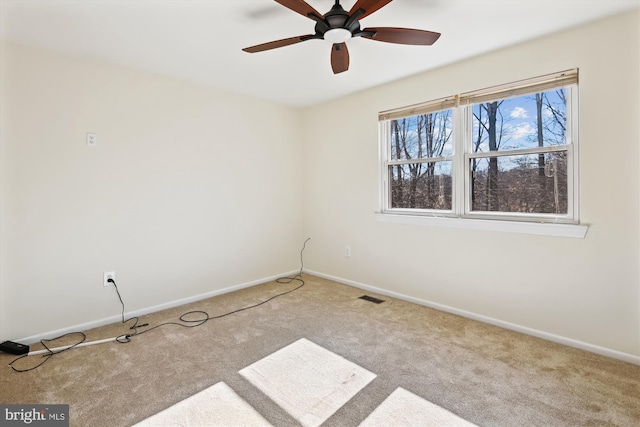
[[371, 299]]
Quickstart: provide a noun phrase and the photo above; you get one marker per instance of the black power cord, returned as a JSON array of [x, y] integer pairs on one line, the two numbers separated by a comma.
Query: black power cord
[[50, 352], [205, 317], [135, 318], [188, 323]]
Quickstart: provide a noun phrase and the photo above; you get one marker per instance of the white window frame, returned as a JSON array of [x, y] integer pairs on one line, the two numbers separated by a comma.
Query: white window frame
[[461, 215]]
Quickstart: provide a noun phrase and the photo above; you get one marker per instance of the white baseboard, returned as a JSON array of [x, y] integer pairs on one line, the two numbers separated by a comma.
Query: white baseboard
[[118, 318], [490, 320]]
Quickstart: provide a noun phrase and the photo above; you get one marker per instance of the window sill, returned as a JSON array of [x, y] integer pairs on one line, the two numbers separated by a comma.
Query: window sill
[[577, 231]]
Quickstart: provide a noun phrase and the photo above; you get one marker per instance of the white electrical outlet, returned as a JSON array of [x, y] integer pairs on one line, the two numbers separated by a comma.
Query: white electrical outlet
[[347, 251], [109, 275], [92, 139]]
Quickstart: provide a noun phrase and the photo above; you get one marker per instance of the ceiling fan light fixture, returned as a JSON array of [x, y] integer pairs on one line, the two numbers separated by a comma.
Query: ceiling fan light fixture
[[337, 26], [337, 35]]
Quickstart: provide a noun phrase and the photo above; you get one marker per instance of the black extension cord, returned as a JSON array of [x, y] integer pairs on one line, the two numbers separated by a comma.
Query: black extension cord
[[187, 322]]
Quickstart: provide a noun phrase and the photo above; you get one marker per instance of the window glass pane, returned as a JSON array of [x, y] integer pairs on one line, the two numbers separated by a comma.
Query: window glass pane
[[529, 121], [422, 136], [421, 185], [535, 183]]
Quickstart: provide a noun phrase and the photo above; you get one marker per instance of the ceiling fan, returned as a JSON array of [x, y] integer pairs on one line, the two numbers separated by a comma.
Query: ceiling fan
[[337, 26]]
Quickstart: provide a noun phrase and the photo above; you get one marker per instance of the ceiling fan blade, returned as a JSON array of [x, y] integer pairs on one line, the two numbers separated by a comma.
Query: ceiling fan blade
[[277, 43], [369, 6], [339, 58], [402, 35], [301, 7]]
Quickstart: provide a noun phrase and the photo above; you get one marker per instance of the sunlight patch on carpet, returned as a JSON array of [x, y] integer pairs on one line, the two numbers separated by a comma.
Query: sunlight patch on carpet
[[308, 381], [217, 405], [403, 408]]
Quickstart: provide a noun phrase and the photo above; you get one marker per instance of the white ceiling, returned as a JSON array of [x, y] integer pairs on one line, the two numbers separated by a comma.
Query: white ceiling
[[201, 40]]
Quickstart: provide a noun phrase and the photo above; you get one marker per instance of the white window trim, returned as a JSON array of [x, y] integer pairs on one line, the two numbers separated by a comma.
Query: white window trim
[[461, 215], [578, 231]]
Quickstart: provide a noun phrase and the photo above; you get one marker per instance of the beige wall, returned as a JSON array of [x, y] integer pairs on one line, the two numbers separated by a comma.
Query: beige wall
[[580, 289], [192, 190], [189, 190]]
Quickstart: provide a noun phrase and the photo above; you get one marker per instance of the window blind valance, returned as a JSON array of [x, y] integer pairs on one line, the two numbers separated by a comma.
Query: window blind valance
[[418, 109], [522, 87]]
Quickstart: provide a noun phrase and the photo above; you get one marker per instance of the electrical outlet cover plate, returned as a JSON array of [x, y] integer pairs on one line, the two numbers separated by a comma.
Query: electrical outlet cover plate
[[109, 275], [92, 139]]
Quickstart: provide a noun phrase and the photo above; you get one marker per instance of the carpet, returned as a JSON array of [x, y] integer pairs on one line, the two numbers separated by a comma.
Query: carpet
[[484, 374], [307, 381], [403, 408], [215, 406]]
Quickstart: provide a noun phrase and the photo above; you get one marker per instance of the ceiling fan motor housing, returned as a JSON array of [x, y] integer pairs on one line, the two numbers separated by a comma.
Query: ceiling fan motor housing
[[338, 18]]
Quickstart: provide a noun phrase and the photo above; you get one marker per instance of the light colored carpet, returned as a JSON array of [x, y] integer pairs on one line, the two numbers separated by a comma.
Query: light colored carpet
[[216, 406], [484, 374], [403, 408], [308, 381]]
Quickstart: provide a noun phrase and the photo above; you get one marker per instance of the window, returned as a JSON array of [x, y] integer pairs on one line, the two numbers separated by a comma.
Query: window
[[503, 153]]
